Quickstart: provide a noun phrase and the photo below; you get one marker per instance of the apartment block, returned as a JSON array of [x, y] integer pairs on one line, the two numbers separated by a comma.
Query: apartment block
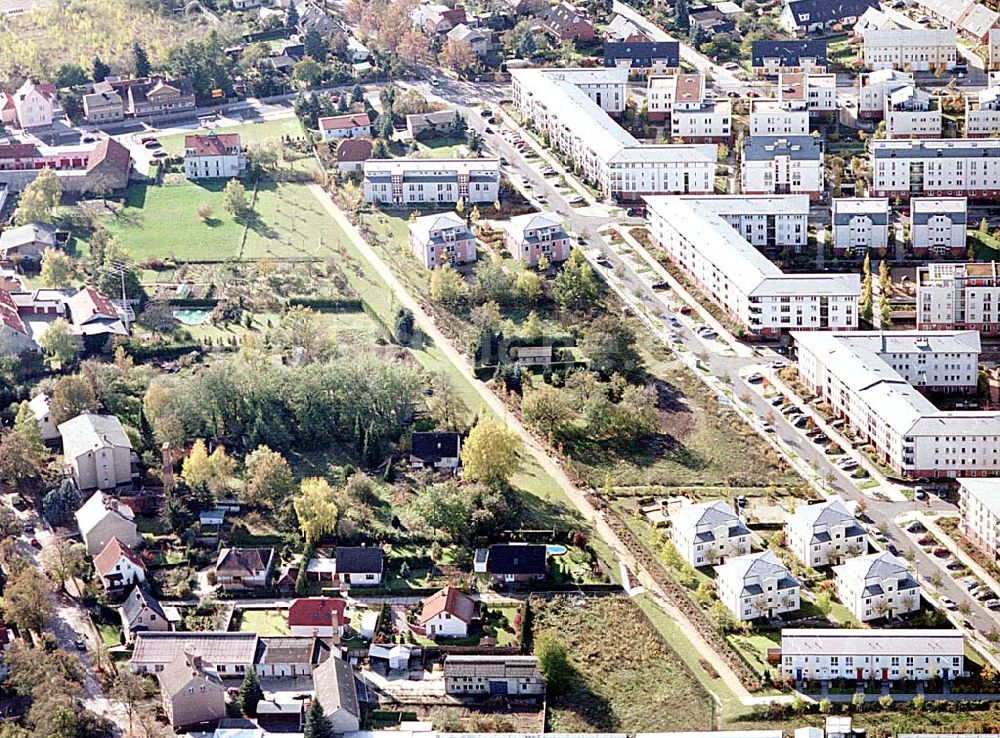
[[912, 113], [816, 92], [408, 181], [874, 88], [860, 224], [708, 533], [783, 165], [571, 107], [959, 296], [774, 118], [441, 238], [771, 58], [757, 586], [824, 534], [938, 225], [910, 49], [953, 167], [979, 505], [994, 49], [705, 236], [695, 117], [982, 113]]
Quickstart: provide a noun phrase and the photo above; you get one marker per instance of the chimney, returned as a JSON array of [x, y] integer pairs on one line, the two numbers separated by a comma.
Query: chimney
[[168, 467]]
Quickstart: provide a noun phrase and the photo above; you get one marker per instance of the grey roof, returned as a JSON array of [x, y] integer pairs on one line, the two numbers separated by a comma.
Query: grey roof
[[216, 647], [89, 432], [359, 559], [926, 148], [789, 51], [333, 684], [138, 601], [516, 558], [244, 561], [292, 650], [922, 209], [797, 148], [808, 12], [29, 233], [642, 53], [866, 641], [510, 667], [751, 568], [875, 208], [177, 674]]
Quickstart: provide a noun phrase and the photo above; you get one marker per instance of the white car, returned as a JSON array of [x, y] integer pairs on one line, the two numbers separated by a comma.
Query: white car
[[948, 604]]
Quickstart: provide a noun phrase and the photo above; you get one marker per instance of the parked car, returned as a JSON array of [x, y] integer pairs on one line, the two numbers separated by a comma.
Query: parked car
[[915, 527], [993, 604], [602, 260], [941, 551], [35, 544], [154, 144], [80, 644], [755, 378], [801, 422], [660, 286], [848, 464], [919, 494], [948, 603], [777, 401], [954, 565], [685, 310]]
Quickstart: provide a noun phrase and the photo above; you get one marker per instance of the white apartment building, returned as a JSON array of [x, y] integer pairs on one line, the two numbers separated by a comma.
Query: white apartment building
[[757, 586], [912, 113], [938, 225], [571, 107], [950, 167], [877, 586], [699, 235], [408, 181], [910, 49], [886, 654], [825, 534], [870, 379], [213, 155], [979, 505], [860, 224], [695, 116], [959, 296], [874, 88], [707, 533], [775, 118], [816, 92], [783, 165], [982, 113]]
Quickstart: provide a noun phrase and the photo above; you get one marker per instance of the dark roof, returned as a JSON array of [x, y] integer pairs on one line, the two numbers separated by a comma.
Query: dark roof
[[642, 53], [354, 149], [136, 602], [433, 446], [292, 650], [516, 558], [789, 51], [797, 148], [359, 559], [333, 683], [244, 561], [808, 12], [562, 18]]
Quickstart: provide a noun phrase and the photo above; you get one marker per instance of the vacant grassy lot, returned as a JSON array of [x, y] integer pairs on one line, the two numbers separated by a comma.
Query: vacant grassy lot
[[625, 676], [250, 133], [265, 622]]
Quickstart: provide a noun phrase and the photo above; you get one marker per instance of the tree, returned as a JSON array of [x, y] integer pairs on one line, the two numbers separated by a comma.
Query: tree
[[214, 472], [383, 125], [547, 409], [527, 287], [576, 287], [357, 94], [342, 104], [404, 326], [29, 433], [72, 396], [57, 268], [27, 600], [445, 406], [60, 503], [16, 467], [447, 285], [865, 299], [251, 693], [533, 329], [314, 46], [308, 71], [317, 725], [269, 479], [457, 54], [609, 343], [234, 199], [39, 198], [858, 700], [10, 525], [100, 69], [490, 453], [553, 662], [65, 560], [140, 60], [315, 508], [884, 310], [204, 212], [70, 75], [292, 17], [301, 328], [682, 19], [59, 345]]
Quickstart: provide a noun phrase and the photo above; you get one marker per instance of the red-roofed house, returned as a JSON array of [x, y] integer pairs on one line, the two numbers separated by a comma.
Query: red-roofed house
[[119, 566], [352, 154], [34, 105], [94, 317], [351, 125], [214, 155], [447, 614], [14, 337], [321, 617], [8, 113]]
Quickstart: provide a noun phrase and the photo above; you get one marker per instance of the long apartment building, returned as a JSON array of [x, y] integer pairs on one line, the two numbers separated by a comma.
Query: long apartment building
[[573, 108], [408, 181], [959, 296], [715, 240], [871, 379], [695, 116], [979, 505], [955, 167], [910, 49]]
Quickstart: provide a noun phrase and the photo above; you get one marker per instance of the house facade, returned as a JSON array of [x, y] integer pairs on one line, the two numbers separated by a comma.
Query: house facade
[[407, 181], [34, 105], [783, 165], [103, 104], [951, 167], [244, 568], [118, 566], [708, 533], [192, 691], [97, 451], [912, 113], [694, 116], [771, 58], [910, 49], [860, 225], [435, 450], [141, 613], [441, 238], [28, 241], [938, 225], [359, 566], [493, 675], [102, 518], [213, 156], [875, 87], [876, 586], [352, 125], [643, 58], [959, 296], [533, 235], [447, 613], [982, 113], [807, 16], [825, 534], [757, 586], [773, 118], [512, 563], [321, 617], [979, 505], [566, 22]]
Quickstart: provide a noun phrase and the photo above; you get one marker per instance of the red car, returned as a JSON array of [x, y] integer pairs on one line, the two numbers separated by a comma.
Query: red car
[[940, 551], [35, 544]]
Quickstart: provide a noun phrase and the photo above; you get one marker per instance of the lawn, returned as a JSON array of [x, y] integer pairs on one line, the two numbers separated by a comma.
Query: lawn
[[753, 648], [250, 133], [985, 246], [623, 676], [110, 634], [265, 622], [442, 147]]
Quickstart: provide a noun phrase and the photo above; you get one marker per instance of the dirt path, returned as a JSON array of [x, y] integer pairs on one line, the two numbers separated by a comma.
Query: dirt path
[[533, 447]]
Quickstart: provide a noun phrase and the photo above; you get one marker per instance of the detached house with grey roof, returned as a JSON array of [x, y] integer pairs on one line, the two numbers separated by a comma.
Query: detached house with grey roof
[[757, 586], [141, 613], [877, 586], [860, 224], [805, 16], [96, 451], [244, 568], [707, 533], [103, 518], [192, 691], [825, 534]]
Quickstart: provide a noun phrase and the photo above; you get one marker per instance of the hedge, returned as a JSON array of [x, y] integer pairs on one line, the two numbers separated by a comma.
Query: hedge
[[194, 302], [339, 304], [146, 353]]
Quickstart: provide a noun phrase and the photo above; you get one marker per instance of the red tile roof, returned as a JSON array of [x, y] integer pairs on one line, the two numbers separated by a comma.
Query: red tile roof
[[112, 554], [340, 122], [451, 601], [91, 303], [9, 315], [316, 611], [111, 152], [354, 149], [18, 151], [214, 144]]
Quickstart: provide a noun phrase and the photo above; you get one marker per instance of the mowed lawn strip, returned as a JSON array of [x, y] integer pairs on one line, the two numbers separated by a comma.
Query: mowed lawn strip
[[250, 133]]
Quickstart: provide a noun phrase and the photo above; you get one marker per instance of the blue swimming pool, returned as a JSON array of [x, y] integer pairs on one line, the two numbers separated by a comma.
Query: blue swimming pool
[[555, 549]]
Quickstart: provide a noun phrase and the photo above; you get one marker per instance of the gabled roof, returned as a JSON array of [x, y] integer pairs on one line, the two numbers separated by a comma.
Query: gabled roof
[[749, 570], [107, 559], [333, 684], [212, 144], [88, 304], [176, 675], [243, 561], [873, 566], [317, 611], [292, 650], [344, 122], [98, 507], [807, 12], [359, 559], [668, 51], [435, 445], [448, 600], [137, 601], [354, 149], [18, 151], [88, 432], [562, 17], [867, 641], [789, 52], [216, 647], [978, 20], [516, 558], [9, 315], [29, 233], [111, 156], [828, 513], [712, 514]]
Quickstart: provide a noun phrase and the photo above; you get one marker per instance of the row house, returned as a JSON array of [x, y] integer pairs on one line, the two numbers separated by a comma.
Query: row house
[[874, 89], [643, 58], [877, 586], [492, 675], [530, 236], [884, 654], [959, 296], [694, 115], [708, 533], [825, 534], [441, 238], [103, 104], [938, 225], [954, 167], [783, 165], [875, 382], [771, 58], [912, 113], [214, 156], [152, 96], [982, 113], [860, 225], [757, 586], [708, 238], [970, 18], [410, 181], [806, 16], [566, 22], [910, 49]]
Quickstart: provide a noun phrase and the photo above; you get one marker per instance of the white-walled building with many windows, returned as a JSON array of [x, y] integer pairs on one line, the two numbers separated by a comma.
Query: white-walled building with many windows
[[783, 165], [875, 586], [982, 112], [695, 116], [979, 505], [408, 181], [713, 239], [938, 225], [572, 108], [910, 49], [825, 533], [912, 113], [874, 88], [886, 654], [771, 117], [708, 533], [959, 296], [870, 379], [860, 224], [950, 167], [757, 586]]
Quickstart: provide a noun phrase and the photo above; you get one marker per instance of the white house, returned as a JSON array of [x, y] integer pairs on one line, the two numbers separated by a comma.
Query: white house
[[350, 125], [97, 451], [875, 586], [39, 406], [119, 566], [860, 224], [938, 225], [102, 518], [912, 113], [447, 613], [886, 654], [756, 586], [435, 450], [530, 236], [771, 117], [979, 504], [244, 568], [409, 181], [949, 167], [359, 566], [874, 88], [213, 156], [956, 296], [441, 238], [825, 534], [695, 116], [35, 105], [910, 49], [706, 533], [982, 112], [783, 165], [322, 617]]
